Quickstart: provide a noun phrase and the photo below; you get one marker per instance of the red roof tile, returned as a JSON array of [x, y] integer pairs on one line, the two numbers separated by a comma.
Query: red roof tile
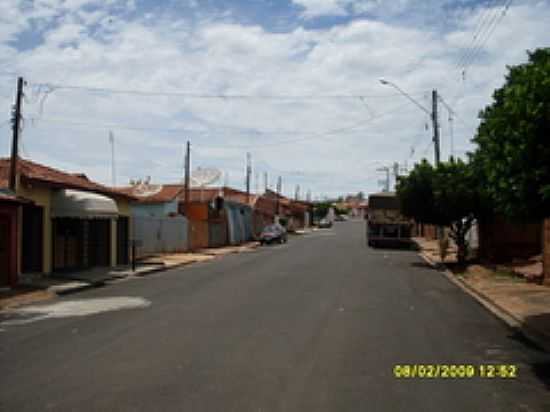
[[34, 172]]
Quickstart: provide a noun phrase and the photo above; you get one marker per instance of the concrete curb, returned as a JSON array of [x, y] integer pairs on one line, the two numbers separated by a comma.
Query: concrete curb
[[62, 291], [80, 285], [504, 315]]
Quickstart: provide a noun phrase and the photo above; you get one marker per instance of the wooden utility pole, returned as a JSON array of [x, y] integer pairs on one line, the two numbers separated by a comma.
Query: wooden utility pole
[[248, 173], [279, 190], [266, 186], [187, 175], [435, 127], [435, 122], [15, 141]]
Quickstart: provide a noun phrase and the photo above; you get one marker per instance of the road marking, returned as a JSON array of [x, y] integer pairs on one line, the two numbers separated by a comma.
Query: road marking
[[70, 308]]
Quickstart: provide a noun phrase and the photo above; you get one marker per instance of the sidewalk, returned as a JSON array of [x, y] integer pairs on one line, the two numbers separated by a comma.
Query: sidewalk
[[507, 294], [37, 288]]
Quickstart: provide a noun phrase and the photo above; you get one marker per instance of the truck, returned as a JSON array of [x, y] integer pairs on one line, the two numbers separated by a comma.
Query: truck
[[386, 225]]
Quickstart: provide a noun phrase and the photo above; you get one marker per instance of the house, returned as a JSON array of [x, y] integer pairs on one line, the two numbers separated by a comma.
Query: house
[[157, 226], [10, 209], [218, 216], [66, 221], [264, 210], [154, 200], [296, 213]]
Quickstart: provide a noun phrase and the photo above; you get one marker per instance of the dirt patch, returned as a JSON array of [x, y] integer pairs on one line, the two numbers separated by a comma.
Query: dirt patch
[[19, 297]]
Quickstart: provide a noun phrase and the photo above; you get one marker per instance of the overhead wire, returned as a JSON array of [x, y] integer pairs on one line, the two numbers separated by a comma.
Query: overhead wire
[[488, 14], [220, 96], [312, 135], [494, 23]]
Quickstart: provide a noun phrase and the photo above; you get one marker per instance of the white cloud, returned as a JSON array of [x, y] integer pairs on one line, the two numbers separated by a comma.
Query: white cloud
[[319, 8], [316, 8], [103, 49]]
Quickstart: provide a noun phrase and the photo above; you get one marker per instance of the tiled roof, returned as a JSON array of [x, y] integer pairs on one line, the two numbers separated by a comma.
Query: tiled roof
[[35, 172], [206, 194], [165, 193]]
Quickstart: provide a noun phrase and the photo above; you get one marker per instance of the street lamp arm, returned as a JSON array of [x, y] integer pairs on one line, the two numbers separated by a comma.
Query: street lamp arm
[[396, 87]]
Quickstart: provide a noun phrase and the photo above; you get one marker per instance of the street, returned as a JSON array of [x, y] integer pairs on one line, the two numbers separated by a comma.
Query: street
[[317, 324]]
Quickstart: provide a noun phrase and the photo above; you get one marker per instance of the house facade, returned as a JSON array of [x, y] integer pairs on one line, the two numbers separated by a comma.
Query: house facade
[[65, 221], [157, 226], [10, 209], [218, 217]]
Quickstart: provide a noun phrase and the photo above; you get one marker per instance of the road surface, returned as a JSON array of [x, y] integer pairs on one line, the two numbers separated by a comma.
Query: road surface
[[317, 325]]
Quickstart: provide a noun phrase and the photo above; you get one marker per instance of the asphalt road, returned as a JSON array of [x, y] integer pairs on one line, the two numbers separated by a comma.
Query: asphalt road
[[314, 325]]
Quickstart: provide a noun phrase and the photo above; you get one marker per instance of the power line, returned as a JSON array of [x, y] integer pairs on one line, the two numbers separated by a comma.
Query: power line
[[220, 96], [314, 135], [483, 21], [496, 21], [321, 136]]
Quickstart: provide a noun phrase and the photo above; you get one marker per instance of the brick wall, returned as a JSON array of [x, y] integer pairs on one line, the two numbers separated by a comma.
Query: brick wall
[[546, 253], [502, 241]]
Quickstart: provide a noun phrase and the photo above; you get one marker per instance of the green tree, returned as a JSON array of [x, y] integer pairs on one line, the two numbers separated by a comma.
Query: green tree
[[321, 209], [513, 141], [447, 196]]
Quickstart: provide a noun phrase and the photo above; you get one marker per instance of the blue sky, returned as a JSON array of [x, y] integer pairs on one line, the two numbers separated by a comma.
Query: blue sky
[[301, 80]]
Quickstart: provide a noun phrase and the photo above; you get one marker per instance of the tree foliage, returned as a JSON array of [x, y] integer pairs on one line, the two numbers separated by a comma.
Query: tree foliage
[[513, 141], [321, 209], [447, 196]]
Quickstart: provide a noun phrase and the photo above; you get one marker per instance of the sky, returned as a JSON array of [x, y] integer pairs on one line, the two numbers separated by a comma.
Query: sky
[[294, 82]]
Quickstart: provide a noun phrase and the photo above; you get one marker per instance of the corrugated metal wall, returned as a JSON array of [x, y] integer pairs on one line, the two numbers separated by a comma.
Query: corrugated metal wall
[[217, 233], [160, 235], [239, 222]]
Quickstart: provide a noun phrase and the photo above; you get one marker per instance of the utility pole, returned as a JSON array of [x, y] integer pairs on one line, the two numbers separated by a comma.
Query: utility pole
[[395, 173], [16, 120], [248, 172], [435, 126], [187, 175], [266, 185], [279, 189], [385, 182], [440, 230]]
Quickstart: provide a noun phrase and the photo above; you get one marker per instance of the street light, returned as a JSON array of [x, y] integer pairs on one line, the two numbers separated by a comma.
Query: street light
[[396, 87], [432, 113]]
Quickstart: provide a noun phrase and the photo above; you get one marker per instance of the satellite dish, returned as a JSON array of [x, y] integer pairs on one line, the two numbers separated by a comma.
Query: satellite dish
[[201, 177], [145, 189]]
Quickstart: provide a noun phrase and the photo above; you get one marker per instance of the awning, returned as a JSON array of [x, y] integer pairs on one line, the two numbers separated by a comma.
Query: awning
[[85, 205]]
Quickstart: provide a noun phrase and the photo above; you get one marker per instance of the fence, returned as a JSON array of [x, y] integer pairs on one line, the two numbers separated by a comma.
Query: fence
[[160, 235]]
